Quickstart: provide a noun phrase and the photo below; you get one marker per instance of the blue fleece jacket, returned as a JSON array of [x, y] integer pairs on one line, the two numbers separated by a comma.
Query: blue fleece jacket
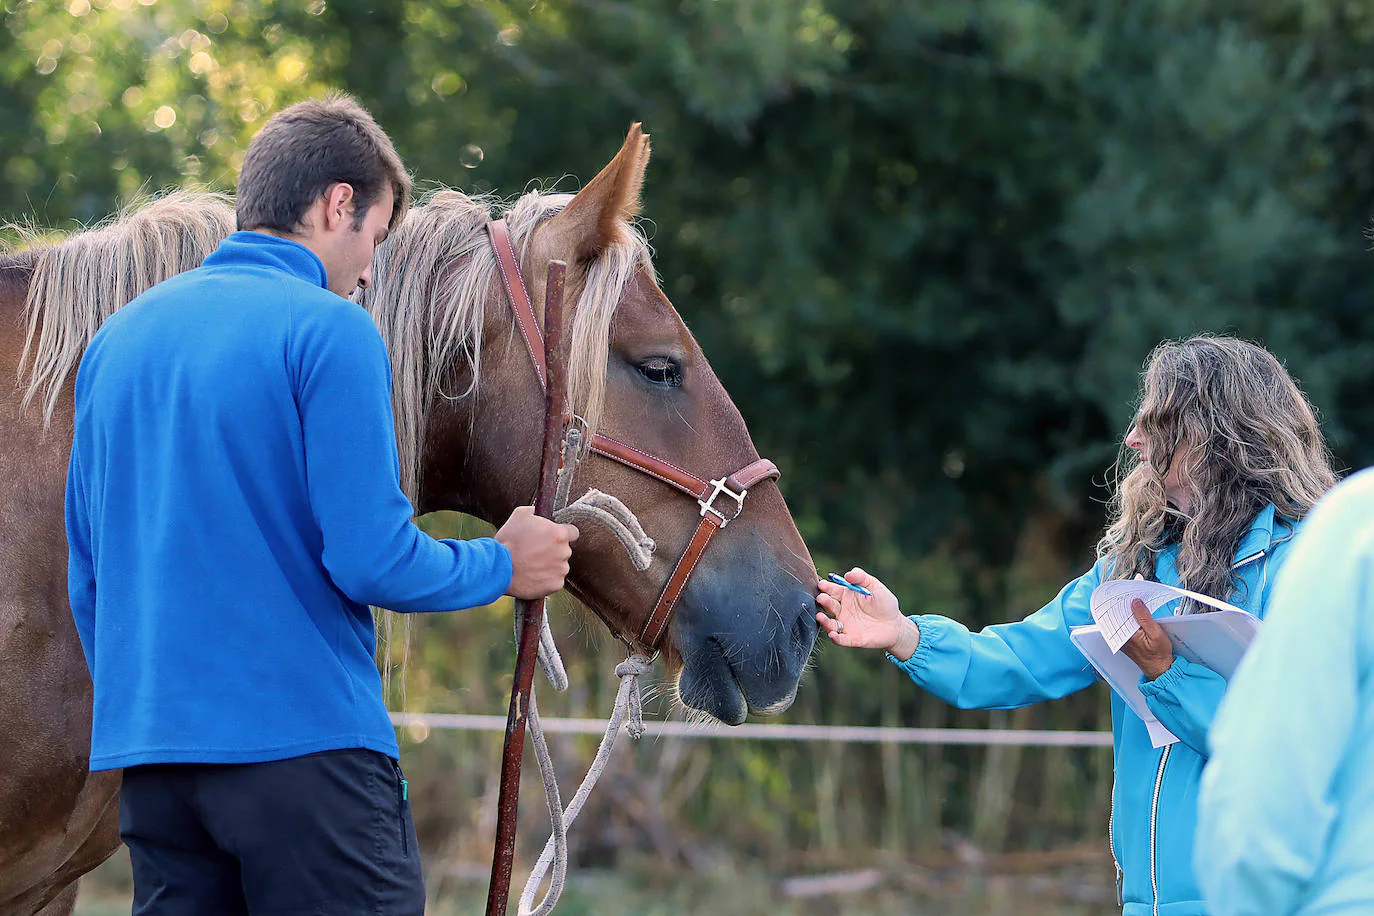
[[1154, 795], [233, 507], [1286, 813]]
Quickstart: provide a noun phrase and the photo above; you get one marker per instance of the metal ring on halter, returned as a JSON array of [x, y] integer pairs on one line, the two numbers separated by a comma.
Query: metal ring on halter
[[630, 650]]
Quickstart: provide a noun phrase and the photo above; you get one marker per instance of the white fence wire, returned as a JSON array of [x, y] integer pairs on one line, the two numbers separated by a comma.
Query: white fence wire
[[847, 734]]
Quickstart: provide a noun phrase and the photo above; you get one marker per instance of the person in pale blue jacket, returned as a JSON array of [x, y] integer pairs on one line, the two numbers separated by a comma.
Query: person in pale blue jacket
[[1286, 814], [1223, 461]]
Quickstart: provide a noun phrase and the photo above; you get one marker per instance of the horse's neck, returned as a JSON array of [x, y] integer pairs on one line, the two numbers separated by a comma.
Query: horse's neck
[[481, 452], [449, 487], [33, 464], [16, 270]]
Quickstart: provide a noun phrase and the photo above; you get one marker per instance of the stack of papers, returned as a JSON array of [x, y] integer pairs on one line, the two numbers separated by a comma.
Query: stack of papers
[[1214, 639]]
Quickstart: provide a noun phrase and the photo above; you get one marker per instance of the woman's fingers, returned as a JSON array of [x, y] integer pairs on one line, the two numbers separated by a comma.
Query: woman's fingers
[[1148, 625], [830, 588], [832, 597], [859, 577], [830, 602], [834, 629], [832, 623]]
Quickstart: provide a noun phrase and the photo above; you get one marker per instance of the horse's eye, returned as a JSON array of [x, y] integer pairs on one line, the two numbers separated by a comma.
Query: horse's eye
[[661, 371]]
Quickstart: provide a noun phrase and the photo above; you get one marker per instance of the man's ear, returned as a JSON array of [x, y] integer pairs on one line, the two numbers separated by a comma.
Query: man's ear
[[338, 208]]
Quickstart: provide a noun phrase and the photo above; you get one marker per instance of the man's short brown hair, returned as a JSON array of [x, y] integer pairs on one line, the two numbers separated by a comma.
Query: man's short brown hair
[[306, 148]]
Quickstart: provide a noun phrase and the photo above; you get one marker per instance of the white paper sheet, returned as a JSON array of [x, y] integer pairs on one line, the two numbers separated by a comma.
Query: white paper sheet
[[1215, 639], [1111, 606]]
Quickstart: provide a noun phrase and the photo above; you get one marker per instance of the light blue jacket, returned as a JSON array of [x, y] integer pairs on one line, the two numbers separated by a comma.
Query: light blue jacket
[[1286, 816], [1154, 798]]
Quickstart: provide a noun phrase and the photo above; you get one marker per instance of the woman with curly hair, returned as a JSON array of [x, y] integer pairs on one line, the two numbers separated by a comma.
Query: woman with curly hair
[[1223, 461]]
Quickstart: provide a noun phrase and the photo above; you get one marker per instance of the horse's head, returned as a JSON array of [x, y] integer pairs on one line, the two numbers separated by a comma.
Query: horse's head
[[745, 624]]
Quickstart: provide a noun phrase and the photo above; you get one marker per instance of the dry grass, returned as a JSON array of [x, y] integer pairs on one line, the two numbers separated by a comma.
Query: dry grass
[[726, 891]]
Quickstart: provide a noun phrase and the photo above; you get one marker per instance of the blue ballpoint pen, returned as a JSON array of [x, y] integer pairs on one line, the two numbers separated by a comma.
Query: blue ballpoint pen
[[841, 580]]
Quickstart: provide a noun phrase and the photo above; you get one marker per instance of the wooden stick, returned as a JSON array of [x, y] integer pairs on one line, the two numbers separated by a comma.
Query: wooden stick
[[555, 407]]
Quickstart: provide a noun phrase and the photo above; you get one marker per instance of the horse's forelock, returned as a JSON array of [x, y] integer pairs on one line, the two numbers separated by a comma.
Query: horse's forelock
[[431, 281], [84, 279]]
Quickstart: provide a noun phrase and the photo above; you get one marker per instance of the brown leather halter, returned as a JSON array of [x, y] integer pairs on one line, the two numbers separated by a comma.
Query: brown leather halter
[[705, 492]]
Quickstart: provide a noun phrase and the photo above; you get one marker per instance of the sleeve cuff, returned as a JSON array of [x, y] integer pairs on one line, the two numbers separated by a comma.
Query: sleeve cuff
[[1167, 681], [502, 570], [920, 659], [497, 581]]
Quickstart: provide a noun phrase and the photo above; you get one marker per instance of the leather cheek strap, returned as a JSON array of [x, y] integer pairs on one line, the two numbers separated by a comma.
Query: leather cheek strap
[[675, 476], [711, 520], [645, 463], [657, 623], [518, 297]]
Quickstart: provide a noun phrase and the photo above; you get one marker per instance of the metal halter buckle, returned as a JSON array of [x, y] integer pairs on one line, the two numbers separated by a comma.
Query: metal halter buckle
[[720, 489]]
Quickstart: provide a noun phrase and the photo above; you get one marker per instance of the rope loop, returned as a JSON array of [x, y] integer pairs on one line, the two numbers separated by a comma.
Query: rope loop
[[627, 712]]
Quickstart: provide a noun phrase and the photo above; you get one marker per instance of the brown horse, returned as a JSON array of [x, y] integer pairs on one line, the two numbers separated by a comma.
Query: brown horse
[[469, 414]]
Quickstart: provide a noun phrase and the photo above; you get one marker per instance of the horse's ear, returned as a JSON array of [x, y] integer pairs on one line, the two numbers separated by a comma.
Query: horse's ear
[[599, 216]]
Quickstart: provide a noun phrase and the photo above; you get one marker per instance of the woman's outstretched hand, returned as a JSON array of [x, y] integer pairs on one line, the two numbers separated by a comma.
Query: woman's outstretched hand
[[864, 622]]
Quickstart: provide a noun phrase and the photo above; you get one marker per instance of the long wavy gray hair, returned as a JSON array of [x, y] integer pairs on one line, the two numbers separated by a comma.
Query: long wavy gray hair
[[1248, 437]]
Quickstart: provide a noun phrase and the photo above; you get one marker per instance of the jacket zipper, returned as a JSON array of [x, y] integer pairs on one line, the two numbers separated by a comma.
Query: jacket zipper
[[1154, 828], [1111, 844], [402, 794], [1263, 556]]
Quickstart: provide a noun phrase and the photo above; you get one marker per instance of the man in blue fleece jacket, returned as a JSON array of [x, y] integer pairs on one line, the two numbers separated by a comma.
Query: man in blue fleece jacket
[[233, 507]]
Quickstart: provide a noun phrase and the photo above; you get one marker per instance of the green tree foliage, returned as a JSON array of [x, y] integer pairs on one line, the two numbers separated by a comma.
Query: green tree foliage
[[927, 246]]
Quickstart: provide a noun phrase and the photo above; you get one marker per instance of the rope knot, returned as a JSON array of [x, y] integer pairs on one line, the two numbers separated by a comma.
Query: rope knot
[[633, 666], [629, 671]]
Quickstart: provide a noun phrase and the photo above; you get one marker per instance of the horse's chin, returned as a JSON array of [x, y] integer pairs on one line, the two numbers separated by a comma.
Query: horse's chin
[[719, 699], [707, 683]]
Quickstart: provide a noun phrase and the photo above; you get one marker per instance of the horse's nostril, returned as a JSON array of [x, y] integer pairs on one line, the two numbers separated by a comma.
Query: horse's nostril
[[804, 630]]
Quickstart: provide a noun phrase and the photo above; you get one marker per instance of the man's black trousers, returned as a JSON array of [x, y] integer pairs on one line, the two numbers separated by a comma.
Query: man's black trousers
[[327, 834]]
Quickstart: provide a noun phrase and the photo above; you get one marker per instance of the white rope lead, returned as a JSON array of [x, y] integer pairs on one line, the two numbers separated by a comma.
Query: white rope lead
[[628, 712], [606, 510], [615, 516]]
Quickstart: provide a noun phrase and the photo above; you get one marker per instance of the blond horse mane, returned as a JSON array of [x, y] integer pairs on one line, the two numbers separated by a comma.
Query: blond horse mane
[[87, 277], [431, 282]]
